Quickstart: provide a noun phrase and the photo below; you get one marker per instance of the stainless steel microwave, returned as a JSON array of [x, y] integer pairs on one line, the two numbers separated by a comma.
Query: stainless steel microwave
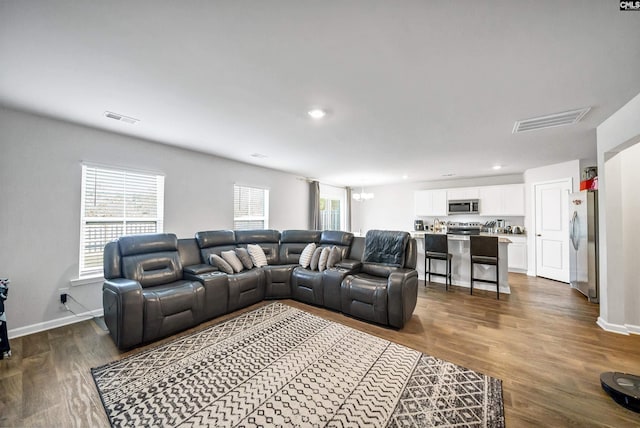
[[469, 206]]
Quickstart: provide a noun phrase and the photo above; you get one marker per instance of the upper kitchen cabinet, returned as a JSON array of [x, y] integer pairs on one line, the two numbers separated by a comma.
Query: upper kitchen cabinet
[[505, 200], [463, 193], [430, 203]]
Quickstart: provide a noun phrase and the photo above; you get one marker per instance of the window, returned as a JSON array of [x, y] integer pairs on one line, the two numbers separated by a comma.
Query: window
[[116, 203], [332, 208], [250, 208]]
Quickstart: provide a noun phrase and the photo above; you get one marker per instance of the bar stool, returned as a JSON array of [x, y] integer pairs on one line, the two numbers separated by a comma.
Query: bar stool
[[484, 251], [436, 246]]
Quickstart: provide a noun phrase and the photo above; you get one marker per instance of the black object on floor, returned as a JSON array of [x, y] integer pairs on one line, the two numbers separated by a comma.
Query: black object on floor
[[5, 349], [624, 388]]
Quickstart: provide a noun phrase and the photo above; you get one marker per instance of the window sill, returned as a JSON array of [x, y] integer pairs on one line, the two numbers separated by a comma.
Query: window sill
[[87, 280]]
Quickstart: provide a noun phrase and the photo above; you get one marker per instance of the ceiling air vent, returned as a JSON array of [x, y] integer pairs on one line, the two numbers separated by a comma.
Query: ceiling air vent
[[550, 121], [121, 118]]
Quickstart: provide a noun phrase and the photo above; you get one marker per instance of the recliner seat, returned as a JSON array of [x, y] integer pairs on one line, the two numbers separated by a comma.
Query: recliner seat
[[144, 294], [385, 290]]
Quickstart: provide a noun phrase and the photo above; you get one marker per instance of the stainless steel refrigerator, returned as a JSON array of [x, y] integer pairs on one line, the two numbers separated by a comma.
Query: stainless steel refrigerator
[[583, 245]]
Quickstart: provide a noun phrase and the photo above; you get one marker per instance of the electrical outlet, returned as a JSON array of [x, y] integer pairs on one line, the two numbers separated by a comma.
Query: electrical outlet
[[63, 298]]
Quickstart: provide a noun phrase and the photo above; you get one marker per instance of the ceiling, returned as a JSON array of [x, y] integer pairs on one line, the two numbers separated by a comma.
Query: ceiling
[[416, 88]]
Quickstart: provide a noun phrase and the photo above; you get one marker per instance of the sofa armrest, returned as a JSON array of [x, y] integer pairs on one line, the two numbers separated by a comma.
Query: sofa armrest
[[123, 311], [351, 264], [199, 269], [402, 292]]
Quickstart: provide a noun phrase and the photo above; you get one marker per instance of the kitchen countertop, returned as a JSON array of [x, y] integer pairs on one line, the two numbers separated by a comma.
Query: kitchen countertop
[[503, 238]]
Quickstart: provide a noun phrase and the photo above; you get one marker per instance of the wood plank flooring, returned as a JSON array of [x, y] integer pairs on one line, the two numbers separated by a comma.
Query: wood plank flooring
[[542, 341]]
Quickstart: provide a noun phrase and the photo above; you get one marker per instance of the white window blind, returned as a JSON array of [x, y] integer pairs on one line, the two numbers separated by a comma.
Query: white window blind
[[116, 203], [250, 208]]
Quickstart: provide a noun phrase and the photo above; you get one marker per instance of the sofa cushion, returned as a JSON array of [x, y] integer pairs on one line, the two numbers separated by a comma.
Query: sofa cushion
[[324, 256], [233, 260], [269, 241], [307, 254], [293, 242], [220, 263], [244, 257], [340, 239], [334, 257], [258, 257]]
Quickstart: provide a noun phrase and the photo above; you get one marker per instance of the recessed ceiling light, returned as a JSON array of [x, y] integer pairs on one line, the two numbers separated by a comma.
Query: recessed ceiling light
[[121, 118], [496, 167], [404, 177], [317, 113], [258, 155]]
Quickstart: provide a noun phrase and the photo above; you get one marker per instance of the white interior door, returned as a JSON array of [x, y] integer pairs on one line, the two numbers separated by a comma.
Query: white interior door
[[552, 230]]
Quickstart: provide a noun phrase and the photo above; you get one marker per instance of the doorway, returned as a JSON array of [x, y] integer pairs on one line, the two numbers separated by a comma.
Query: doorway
[[552, 229]]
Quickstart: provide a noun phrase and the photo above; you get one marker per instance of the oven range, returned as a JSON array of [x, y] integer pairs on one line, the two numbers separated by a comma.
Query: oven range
[[464, 228]]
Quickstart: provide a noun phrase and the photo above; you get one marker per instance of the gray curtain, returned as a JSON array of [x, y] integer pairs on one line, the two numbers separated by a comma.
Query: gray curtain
[[314, 205], [347, 211]]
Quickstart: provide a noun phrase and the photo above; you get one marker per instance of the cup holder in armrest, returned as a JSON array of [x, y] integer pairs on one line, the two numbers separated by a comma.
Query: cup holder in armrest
[[210, 274]]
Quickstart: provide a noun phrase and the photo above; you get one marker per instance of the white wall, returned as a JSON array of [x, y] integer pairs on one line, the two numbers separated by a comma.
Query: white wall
[[393, 205], [617, 162], [40, 175]]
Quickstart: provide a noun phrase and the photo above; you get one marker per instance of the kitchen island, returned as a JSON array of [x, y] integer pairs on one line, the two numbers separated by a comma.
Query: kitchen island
[[459, 247]]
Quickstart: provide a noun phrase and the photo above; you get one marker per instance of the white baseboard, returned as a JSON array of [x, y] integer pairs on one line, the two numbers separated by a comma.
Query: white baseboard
[[633, 329], [59, 322], [625, 329]]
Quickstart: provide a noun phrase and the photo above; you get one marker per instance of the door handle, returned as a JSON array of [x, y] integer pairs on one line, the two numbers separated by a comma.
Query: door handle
[[539, 234]]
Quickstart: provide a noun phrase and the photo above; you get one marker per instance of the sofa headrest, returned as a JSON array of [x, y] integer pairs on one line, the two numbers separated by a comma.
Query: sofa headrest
[[215, 238], [257, 236], [385, 246], [300, 236], [144, 244], [336, 237]]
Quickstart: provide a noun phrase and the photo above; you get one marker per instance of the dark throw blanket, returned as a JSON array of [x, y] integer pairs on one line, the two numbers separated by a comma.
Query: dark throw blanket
[[385, 246]]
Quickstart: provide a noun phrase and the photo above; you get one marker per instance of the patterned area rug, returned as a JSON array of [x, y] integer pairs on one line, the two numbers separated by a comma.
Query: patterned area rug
[[280, 366]]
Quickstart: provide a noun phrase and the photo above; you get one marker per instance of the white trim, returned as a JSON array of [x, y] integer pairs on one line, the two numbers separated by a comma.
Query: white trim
[[118, 167], [49, 325], [625, 329], [87, 280], [633, 329]]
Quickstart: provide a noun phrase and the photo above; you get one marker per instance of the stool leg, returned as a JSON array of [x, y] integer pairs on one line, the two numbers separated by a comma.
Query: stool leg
[[425, 268], [448, 278], [429, 269], [498, 279], [471, 277]]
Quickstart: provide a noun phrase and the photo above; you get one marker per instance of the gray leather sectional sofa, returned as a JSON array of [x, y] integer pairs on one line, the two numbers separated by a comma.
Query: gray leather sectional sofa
[[157, 285]]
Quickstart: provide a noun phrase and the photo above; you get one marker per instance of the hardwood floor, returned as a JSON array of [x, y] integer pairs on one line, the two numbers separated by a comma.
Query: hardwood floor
[[541, 340]]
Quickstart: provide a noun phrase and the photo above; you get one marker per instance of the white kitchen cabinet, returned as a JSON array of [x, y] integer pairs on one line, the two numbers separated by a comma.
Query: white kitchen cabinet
[[518, 254], [513, 199], [490, 200], [430, 203], [504, 200], [462, 193]]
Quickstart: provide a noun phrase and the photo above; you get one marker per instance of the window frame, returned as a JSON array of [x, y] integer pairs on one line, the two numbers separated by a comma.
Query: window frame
[[84, 272], [264, 218]]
